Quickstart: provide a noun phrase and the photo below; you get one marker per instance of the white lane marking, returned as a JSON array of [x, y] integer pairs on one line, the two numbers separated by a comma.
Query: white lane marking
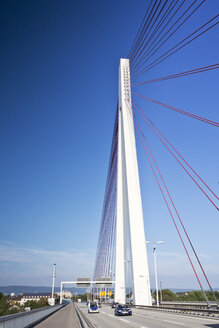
[[125, 320], [176, 323]]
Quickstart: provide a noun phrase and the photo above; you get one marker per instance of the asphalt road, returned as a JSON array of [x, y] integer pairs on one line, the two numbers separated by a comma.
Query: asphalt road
[[64, 318], [145, 319]]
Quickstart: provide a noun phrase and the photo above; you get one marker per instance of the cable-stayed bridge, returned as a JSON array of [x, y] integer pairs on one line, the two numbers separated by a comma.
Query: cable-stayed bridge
[[121, 248], [121, 234]]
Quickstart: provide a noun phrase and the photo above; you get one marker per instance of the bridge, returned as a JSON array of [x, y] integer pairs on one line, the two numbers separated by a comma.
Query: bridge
[[121, 262], [122, 237], [121, 256]]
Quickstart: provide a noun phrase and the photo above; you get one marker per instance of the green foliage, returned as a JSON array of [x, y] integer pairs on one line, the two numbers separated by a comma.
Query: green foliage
[[5, 307], [167, 295], [196, 296], [36, 304], [211, 297], [191, 296], [14, 309], [83, 297]]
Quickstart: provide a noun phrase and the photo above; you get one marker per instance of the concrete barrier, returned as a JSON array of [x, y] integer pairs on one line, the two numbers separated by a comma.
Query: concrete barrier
[[28, 319]]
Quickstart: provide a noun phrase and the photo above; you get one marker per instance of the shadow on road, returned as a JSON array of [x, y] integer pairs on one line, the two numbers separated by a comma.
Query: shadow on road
[[216, 325]]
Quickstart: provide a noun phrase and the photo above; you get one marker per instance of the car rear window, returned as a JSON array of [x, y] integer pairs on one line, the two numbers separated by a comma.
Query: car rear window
[[93, 304]]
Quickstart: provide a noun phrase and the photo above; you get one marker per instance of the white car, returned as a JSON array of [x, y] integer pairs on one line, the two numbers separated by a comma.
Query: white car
[[93, 307]]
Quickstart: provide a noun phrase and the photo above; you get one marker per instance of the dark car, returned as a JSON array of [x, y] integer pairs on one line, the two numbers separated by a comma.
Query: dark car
[[123, 310], [114, 305]]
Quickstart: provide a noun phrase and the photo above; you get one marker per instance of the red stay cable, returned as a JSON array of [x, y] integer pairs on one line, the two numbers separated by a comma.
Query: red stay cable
[[143, 113], [169, 53], [177, 213], [200, 118], [181, 74], [145, 28], [170, 210], [144, 60], [139, 33], [166, 14], [181, 164], [148, 31]]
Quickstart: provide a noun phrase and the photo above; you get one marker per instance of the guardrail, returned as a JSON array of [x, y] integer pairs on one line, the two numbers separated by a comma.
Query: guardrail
[[210, 313], [190, 304], [28, 319], [84, 322]]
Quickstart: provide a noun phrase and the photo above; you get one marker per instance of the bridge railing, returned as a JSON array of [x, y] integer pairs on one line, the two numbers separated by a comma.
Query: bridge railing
[[84, 321], [190, 304], [185, 310], [27, 319]]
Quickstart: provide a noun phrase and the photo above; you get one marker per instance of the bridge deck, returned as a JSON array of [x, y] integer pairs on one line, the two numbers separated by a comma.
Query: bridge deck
[[65, 317]]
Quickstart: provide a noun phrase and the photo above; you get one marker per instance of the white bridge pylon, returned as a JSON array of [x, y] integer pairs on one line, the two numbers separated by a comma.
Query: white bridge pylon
[[129, 205]]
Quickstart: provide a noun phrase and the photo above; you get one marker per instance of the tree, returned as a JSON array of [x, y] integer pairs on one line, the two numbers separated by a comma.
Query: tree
[[4, 305], [36, 304], [167, 295]]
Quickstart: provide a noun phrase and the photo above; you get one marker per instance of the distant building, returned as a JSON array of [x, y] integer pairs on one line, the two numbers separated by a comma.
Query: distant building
[[65, 294], [15, 300], [35, 297]]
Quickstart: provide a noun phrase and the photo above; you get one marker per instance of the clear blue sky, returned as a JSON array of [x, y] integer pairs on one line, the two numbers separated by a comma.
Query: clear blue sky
[[59, 87]]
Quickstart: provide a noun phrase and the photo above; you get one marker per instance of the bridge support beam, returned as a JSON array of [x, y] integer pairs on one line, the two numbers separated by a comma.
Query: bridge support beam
[[129, 206]]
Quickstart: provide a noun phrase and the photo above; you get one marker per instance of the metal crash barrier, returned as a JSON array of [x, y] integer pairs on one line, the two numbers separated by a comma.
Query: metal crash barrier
[[28, 319]]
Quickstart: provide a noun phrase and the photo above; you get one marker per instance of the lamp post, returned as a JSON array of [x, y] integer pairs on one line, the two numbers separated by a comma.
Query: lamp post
[[112, 276], [53, 280], [155, 265], [161, 292]]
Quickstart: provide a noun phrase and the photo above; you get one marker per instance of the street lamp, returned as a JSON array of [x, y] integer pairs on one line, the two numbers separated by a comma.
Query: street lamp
[[155, 265], [53, 282]]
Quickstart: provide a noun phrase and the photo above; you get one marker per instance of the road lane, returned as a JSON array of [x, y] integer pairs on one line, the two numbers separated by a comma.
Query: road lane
[[66, 318], [143, 318], [176, 320], [105, 318]]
